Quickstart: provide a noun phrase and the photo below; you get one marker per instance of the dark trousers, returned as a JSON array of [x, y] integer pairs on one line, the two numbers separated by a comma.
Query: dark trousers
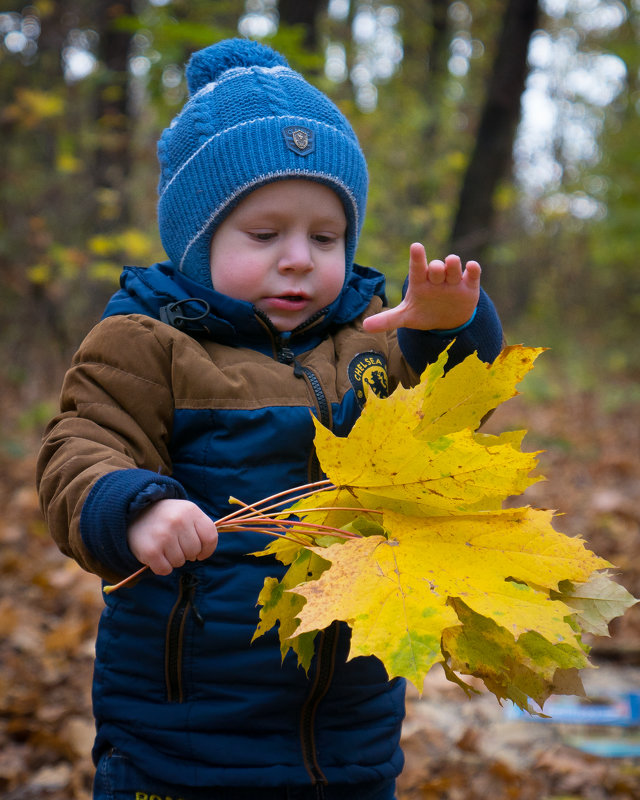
[[117, 778]]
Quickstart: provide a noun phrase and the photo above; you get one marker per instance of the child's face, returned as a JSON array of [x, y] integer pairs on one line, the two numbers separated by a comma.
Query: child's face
[[282, 249]]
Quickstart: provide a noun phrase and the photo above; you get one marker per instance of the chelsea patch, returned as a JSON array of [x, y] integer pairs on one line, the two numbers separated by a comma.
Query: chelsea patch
[[299, 139], [369, 370]]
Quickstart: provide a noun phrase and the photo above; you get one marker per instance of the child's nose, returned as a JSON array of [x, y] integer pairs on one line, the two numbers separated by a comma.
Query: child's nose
[[296, 254]]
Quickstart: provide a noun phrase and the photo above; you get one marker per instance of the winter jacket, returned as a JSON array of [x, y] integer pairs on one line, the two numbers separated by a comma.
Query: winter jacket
[[182, 392]]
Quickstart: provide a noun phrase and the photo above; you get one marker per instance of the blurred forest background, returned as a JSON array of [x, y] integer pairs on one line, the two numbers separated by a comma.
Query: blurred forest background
[[505, 130]]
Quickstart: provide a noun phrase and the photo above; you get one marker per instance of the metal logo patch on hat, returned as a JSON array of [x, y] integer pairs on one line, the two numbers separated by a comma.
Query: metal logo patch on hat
[[299, 139]]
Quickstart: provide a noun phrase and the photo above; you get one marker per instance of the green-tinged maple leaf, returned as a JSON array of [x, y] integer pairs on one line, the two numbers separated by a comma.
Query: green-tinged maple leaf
[[596, 602], [279, 605], [387, 616], [285, 550], [437, 571], [512, 669]]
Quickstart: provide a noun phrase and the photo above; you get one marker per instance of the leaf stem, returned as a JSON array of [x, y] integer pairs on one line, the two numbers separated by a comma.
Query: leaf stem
[[126, 581], [315, 529], [312, 488], [247, 517]]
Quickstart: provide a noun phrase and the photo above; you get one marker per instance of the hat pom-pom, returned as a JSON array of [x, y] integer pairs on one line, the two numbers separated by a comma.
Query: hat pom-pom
[[207, 65]]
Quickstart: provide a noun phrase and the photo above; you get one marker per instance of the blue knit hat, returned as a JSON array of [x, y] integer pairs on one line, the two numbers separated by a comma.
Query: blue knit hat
[[250, 120]]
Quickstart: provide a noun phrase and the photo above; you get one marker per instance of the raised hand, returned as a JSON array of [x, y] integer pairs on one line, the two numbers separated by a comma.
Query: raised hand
[[440, 295]]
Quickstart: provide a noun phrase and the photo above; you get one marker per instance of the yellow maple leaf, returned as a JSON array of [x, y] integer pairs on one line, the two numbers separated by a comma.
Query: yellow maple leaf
[[395, 592], [402, 450], [471, 390], [438, 566]]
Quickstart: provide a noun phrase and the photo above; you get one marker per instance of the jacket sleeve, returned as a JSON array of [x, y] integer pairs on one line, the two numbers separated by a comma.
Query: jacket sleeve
[[483, 335], [105, 456]]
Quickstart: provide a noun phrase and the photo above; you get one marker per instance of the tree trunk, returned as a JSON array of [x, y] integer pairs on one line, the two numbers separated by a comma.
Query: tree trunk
[[307, 13], [112, 155], [491, 159], [425, 38]]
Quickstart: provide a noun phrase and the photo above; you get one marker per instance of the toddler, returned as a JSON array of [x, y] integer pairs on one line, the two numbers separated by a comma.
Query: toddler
[[200, 382]]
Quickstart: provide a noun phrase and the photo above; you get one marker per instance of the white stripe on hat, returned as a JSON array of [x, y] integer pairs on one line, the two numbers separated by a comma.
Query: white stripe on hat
[[237, 72], [299, 120]]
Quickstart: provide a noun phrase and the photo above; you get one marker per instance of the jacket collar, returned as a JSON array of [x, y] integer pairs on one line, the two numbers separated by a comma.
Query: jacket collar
[[163, 293]]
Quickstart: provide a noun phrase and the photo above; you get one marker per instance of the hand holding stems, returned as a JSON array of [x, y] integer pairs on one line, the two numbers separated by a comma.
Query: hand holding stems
[[169, 533], [158, 547], [440, 295]]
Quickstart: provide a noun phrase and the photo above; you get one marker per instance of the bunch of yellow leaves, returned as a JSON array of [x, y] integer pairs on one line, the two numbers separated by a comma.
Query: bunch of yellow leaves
[[430, 568]]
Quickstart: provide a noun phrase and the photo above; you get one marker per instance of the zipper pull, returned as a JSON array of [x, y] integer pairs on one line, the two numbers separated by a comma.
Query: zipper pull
[[287, 356], [189, 583], [285, 353]]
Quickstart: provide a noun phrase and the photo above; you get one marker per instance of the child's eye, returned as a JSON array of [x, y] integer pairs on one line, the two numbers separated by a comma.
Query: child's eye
[[324, 238], [262, 236]]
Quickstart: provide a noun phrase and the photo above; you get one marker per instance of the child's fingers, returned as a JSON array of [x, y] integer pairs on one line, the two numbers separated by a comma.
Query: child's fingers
[[384, 321], [437, 272], [208, 535], [192, 544], [472, 274], [187, 546], [159, 564], [453, 270], [418, 265], [174, 553], [196, 541]]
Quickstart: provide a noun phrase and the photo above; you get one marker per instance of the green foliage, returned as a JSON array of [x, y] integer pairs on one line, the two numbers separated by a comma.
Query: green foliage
[[576, 284], [65, 230]]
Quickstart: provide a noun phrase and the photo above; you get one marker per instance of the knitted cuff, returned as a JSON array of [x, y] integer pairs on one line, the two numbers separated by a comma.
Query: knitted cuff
[[454, 331], [110, 506], [481, 335]]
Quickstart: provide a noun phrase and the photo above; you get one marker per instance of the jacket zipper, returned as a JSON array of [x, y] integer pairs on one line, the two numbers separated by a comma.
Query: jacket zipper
[[328, 639], [326, 653], [324, 415], [285, 355], [325, 664], [174, 647]]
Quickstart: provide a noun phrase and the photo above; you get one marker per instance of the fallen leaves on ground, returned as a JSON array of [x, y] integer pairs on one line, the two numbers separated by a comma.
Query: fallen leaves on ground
[[49, 610]]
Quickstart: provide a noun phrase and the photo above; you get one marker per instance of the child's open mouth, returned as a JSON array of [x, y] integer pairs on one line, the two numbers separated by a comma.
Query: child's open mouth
[[289, 301]]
